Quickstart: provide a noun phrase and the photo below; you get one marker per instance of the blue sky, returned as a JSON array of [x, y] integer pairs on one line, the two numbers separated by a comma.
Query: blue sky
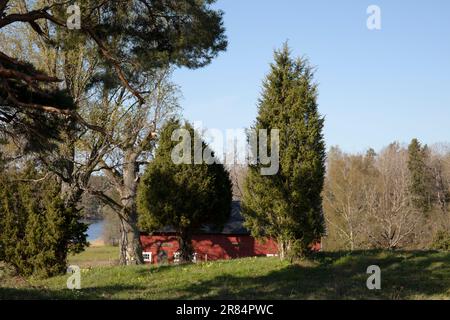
[[375, 87]]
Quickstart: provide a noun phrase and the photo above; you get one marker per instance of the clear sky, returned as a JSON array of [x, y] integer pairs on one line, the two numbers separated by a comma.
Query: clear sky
[[375, 87]]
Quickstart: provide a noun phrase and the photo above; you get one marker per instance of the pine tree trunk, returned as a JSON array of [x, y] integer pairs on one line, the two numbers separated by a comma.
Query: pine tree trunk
[[70, 194], [70, 190]]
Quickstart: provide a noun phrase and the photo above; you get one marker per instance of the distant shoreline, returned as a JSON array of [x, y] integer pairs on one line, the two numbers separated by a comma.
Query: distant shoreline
[[97, 243], [95, 230]]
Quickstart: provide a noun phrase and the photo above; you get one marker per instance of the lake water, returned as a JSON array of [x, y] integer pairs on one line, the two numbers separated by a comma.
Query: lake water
[[94, 231]]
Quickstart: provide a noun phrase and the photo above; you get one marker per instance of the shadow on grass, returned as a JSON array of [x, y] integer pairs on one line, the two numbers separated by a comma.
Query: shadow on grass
[[329, 275], [340, 275], [100, 293]]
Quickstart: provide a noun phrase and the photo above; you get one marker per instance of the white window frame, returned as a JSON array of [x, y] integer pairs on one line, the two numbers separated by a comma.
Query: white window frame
[[149, 259]]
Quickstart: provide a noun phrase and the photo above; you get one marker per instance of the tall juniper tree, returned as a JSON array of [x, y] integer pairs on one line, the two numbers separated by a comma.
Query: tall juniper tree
[[184, 196], [287, 206]]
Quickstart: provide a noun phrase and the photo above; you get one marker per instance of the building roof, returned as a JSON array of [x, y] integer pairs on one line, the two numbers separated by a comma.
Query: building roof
[[235, 223]]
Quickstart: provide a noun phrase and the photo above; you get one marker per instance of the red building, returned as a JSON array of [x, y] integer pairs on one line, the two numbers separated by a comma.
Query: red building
[[234, 241], [207, 246]]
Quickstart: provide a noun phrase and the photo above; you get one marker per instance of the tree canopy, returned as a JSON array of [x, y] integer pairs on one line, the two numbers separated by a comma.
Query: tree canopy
[[132, 37]]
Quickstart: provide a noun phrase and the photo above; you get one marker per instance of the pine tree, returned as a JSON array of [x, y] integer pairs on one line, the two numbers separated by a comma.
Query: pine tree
[[287, 206], [184, 196], [420, 178], [129, 38]]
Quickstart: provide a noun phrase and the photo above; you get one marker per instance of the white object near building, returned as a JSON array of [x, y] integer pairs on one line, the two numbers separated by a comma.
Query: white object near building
[[147, 256]]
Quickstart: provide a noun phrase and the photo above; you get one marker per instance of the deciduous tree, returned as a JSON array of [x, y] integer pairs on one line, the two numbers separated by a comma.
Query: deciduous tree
[[350, 180]]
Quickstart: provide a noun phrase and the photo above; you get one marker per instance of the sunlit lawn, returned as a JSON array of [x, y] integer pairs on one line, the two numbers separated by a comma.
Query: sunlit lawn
[[405, 275]]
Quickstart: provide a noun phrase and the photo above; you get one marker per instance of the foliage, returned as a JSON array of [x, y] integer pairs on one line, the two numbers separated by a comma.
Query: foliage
[[130, 38], [420, 175], [37, 230], [184, 196], [442, 241], [350, 178], [146, 39], [288, 205], [112, 68], [379, 200]]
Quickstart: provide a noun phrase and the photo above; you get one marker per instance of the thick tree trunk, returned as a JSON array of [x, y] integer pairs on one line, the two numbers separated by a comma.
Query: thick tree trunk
[[186, 249], [282, 248], [130, 243], [70, 190]]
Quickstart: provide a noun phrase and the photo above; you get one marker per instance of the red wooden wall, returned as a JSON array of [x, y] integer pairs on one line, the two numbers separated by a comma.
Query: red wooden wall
[[210, 246]]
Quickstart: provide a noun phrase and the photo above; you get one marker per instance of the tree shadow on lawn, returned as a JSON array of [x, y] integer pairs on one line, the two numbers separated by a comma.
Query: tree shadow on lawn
[[340, 275], [97, 293], [91, 292]]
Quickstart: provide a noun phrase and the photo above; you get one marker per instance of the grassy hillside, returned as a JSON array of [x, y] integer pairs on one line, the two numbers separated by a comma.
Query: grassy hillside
[[405, 275]]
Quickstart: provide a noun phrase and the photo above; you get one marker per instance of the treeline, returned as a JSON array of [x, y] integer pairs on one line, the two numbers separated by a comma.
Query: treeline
[[397, 198]]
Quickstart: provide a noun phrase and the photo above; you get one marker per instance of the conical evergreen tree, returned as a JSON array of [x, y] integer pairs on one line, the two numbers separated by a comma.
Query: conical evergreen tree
[[52, 231], [36, 230], [183, 196], [420, 176], [287, 206], [13, 216]]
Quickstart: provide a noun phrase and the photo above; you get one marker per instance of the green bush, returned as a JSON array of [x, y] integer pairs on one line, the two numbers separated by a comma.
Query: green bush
[[36, 230]]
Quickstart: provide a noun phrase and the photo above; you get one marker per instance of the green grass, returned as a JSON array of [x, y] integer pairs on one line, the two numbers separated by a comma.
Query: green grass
[[405, 275], [96, 256]]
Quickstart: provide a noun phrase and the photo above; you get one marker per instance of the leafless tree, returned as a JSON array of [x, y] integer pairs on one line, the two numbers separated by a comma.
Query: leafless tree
[[392, 218], [347, 185], [237, 171]]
